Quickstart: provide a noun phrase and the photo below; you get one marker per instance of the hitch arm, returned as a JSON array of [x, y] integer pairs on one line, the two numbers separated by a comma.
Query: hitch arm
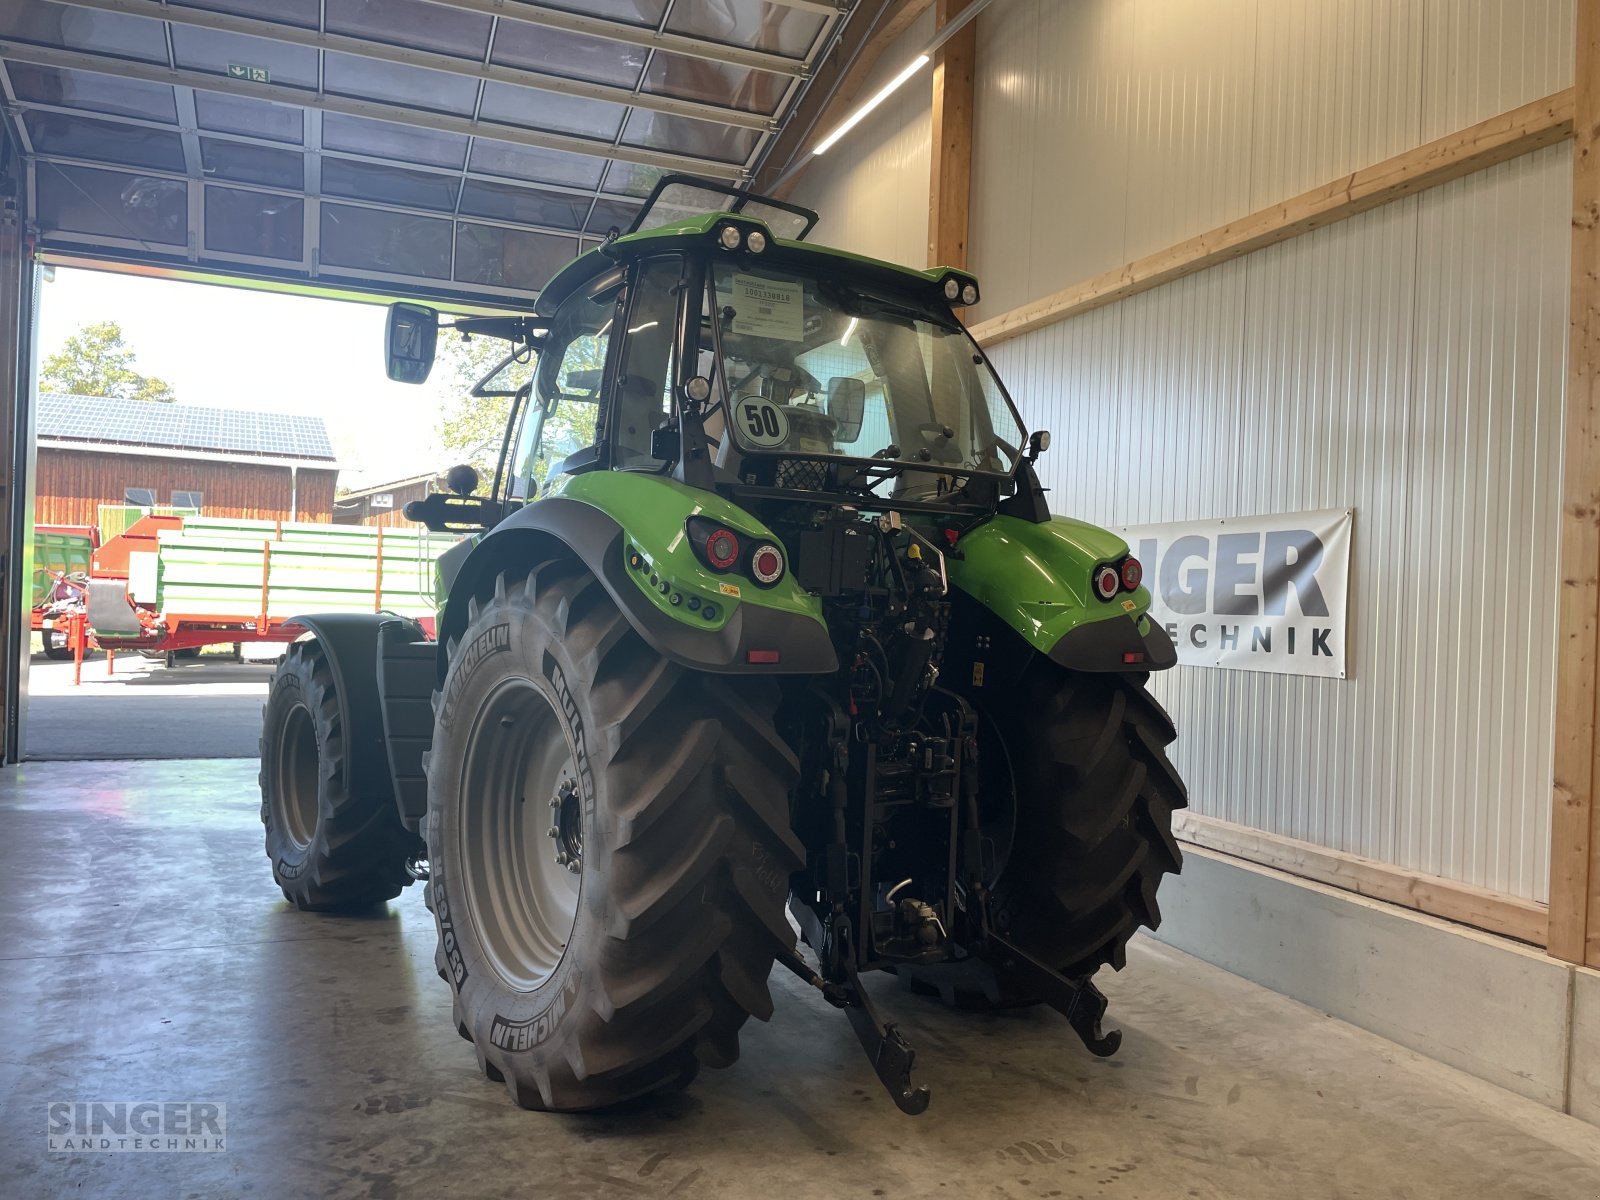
[[1078, 1000], [892, 1057]]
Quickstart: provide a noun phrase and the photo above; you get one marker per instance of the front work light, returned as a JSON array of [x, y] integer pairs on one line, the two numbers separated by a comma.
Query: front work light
[[730, 237]]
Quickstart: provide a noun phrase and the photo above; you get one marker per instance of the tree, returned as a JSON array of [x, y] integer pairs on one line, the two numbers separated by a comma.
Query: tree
[[471, 428], [95, 361]]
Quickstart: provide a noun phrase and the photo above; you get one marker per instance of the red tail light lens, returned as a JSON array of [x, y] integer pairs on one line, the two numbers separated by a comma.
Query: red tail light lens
[[1132, 573], [722, 549], [766, 564], [1106, 582]]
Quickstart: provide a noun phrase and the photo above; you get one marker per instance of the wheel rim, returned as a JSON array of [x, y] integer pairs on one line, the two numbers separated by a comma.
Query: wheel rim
[[298, 776], [520, 833]]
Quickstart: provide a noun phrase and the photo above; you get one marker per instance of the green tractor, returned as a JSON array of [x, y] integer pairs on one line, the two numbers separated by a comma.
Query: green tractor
[[762, 626]]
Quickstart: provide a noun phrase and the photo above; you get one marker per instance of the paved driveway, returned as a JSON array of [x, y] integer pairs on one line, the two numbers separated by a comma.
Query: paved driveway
[[207, 708]]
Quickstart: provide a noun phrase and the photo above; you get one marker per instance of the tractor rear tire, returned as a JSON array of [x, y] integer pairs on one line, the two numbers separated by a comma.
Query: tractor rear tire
[[1079, 802], [609, 847], [331, 850]]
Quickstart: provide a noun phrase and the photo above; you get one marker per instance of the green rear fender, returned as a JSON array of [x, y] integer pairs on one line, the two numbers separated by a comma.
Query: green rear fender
[[1038, 580], [628, 529], [652, 511]]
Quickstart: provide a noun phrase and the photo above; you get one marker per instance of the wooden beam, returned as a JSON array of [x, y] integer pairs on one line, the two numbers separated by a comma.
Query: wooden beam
[[950, 173], [1509, 916], [1496, 140], [839, 81], [1574, 843]]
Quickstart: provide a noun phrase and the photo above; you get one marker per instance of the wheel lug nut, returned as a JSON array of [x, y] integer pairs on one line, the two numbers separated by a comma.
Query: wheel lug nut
[[554, 831], [574, 866]]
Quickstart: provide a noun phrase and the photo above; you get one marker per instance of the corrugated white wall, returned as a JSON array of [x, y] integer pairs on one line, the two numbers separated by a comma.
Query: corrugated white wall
[[871, 188], [1108, 129], [1408, 363]]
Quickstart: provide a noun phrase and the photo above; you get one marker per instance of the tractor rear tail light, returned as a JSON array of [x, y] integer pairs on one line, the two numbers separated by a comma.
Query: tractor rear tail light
[[766, 564], [722, 549], [1132, 573], [761, 656], [1106, 582]]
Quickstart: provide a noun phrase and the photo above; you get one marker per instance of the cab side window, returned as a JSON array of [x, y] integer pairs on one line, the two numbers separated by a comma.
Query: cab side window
[[643, 397], [566, 394]]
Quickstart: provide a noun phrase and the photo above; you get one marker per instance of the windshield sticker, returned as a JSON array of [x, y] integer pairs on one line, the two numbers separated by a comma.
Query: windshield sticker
[[769, 308], [762, 423]]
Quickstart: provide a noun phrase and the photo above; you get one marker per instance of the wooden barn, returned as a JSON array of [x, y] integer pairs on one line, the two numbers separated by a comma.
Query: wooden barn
[[96, 451], [384, 503]]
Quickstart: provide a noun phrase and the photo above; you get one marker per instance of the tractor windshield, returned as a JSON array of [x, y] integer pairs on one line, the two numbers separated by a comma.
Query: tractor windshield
[[817, 367]]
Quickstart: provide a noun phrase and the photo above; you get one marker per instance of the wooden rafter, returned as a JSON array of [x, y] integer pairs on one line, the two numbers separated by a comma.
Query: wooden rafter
[[950, 173]]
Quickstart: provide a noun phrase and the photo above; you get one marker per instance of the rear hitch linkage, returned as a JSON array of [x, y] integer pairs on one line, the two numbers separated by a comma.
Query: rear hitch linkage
[[893, 1058]]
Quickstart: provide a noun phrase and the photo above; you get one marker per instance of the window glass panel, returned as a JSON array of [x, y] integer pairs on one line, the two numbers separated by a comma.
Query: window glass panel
[[525, 206], [389, 185], [142, 496], [629, 12], [288, 12], [412, 87], [212, 50], [189, 500], [509, 258], [547, 110], [608, 214], [715, 83], [268, 226], [750, 23], [104, 141], [244, 163], [412, 23], [631, 179], [97, 93], [114, 204], [252, 118], [539, 166], [84, 29], [384, 139], [395, 243], [684, 135], [569, 54]]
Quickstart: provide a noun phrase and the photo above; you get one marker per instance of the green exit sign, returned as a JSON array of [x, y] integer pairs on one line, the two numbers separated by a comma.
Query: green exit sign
[[245, 71]]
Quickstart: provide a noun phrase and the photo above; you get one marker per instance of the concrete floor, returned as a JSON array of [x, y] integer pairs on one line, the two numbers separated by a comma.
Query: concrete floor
[[206, 708], [149, 956]]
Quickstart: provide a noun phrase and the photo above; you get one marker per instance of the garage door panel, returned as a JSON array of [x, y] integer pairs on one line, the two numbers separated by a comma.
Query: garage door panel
[[112, 204], [251, 118], [259, 224], [79, 29], [94, 93], [384, 139], [103, 141]]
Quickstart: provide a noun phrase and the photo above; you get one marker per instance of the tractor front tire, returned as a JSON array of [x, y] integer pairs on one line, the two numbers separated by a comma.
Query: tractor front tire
[[331, 849], [1078, 802], [609, 847]]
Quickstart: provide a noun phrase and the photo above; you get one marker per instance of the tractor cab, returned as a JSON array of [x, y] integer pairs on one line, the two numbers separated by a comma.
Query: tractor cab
[[712, 344]]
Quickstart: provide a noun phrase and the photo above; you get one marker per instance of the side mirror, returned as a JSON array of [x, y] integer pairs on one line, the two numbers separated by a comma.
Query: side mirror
[[410, 339], [846, 404]]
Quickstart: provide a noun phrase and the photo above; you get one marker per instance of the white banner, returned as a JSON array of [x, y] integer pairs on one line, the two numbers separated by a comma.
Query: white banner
[[1251, 593]]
